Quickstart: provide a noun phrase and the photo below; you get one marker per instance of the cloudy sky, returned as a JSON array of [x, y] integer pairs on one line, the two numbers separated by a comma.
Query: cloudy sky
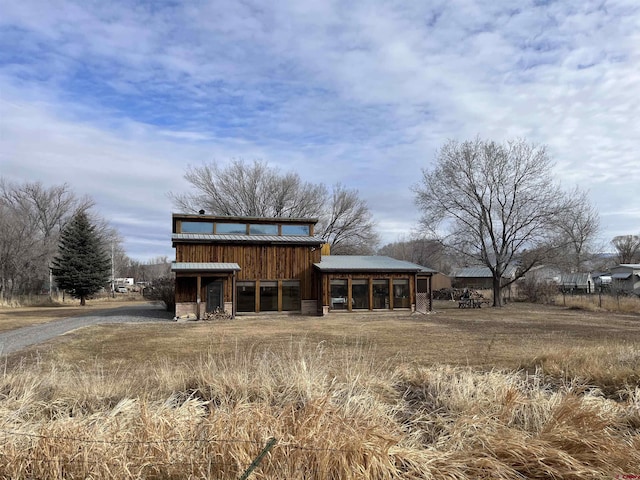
[[118, 98]]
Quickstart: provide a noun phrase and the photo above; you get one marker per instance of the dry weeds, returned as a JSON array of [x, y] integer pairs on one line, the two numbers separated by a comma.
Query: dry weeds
[[521, 392], [333, 417]]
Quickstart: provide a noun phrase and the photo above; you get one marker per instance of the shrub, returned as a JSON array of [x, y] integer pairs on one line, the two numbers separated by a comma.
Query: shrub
[[163, 290]]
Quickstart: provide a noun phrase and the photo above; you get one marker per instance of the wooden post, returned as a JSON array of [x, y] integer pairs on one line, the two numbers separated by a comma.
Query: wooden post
[[198, 299], [258, 459]]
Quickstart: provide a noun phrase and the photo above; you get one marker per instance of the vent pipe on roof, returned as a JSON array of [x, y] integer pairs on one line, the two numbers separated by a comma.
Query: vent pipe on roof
[[201, 212]]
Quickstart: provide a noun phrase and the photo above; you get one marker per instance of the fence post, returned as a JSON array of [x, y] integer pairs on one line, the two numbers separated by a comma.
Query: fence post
[[258, 459]]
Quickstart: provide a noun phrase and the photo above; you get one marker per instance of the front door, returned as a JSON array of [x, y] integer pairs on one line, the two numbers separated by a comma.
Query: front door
[[214, 296]]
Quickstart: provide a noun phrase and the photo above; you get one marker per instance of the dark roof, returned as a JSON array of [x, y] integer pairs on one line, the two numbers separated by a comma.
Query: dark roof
[[368, 263], [204, 267], [242, 238], [621, 276]]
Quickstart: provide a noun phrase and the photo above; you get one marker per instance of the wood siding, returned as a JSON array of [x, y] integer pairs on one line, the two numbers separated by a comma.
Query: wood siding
[[259, 262]]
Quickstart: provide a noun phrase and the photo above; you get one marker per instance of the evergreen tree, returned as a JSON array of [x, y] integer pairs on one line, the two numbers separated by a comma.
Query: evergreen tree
[[82, 267]]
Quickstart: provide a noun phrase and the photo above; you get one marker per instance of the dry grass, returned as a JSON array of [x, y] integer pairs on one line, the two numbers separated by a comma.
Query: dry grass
[[333, 417], [520, 392], [603, 303]]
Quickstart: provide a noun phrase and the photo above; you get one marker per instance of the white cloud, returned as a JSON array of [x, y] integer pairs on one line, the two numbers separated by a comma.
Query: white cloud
[[120, 97]]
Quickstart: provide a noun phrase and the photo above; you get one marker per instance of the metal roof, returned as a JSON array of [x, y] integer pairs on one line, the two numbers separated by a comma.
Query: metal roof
[[575, 279], [368, 263], [240, 218], [204, 267], [242, 238], [621, 276], [482, 272]]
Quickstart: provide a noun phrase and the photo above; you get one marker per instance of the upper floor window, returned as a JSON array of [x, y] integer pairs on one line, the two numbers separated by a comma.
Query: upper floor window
[[295, 230], [196, 227], [263, 229], [222, 228]]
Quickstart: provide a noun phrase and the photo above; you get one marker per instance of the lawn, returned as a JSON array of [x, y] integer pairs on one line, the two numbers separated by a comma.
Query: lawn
[[519, 392]]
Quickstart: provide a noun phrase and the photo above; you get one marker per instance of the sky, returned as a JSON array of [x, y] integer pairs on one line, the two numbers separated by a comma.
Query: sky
[[118, 99]]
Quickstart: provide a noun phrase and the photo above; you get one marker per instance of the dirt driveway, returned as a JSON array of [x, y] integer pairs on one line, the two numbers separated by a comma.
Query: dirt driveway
[[15, 340]]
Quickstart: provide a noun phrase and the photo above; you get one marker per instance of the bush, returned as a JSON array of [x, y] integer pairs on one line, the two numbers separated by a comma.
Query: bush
[[163, 290], [536, 291]]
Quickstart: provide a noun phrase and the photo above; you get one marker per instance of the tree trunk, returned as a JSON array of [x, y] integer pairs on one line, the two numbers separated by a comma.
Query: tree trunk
[[82, 301], [497, 292]]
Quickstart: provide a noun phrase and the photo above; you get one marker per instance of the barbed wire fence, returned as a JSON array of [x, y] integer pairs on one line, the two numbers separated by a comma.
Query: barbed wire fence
[[266, 447]]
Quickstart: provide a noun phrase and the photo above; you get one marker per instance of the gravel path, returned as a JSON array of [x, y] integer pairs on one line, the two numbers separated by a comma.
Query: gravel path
[[15, 340]]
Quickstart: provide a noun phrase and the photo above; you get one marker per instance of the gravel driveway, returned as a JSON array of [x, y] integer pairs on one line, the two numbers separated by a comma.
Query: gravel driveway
[[15, 340]]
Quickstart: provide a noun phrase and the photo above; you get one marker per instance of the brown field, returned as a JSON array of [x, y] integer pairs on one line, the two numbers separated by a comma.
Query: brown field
[[519, 392], [12, 318]]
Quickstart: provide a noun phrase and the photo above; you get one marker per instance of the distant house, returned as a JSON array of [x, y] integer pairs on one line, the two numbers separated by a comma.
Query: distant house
[[577, 283], [259, 265], [480, 278], [544, 274], [626, 278]]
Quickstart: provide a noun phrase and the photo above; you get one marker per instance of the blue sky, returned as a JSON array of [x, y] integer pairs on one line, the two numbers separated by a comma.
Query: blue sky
[[118, 98]]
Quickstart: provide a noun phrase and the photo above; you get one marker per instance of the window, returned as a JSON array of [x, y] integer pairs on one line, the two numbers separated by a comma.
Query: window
[[261, 229], [196, 227], [381, 293], [268, 296], [295, 230], [339, 295], [401, 293], [360, 293], [291, 295], [246, 296], [230, 228]]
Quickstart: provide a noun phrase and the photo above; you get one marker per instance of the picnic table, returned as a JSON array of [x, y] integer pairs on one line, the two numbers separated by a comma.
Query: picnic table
[[470, 302]]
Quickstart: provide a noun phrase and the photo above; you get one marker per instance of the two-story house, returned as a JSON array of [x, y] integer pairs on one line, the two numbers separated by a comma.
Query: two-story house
[[255, 265]]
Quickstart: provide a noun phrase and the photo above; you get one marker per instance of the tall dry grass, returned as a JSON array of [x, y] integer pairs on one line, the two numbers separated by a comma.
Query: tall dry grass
[[598, 303], [334, 417]]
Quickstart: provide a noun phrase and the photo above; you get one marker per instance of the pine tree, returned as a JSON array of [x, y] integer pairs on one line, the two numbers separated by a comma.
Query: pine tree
[[82, 267]]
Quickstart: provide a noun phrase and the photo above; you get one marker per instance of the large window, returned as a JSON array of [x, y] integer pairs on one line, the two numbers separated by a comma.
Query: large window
[[196, 227], [263, 229], [295, 230], [401, 293], [268, 296], [230, 228], [339, 294], [291, 295], [246, 296], [381, 294], [360, 293]]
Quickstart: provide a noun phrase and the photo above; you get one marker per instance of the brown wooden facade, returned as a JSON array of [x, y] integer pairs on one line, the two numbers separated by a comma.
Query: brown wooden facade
[[243, 264]]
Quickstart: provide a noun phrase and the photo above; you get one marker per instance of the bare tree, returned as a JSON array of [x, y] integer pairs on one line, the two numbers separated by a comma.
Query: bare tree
[[491, 202], [257, 190], [348, 227], [250, 190], [627, 248], [32, 218], [422, 251], [577, 230]]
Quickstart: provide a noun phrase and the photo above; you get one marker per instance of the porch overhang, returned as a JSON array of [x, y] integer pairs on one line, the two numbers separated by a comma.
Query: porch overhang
[[204, 267]]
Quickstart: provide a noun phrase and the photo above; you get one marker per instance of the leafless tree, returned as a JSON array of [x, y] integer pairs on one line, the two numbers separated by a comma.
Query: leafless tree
[[348, 227], [250, 189], [257, 190], [627, 248], [31, 219], [577, 230], [491, 202], [422, 251]]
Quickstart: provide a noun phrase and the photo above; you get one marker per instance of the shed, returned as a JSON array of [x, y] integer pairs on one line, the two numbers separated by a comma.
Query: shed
[[626, 278]]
